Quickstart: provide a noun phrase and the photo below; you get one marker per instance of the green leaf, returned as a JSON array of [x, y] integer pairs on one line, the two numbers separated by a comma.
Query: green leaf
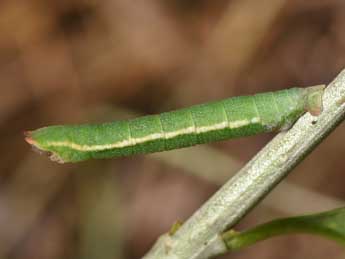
[[330, 224]]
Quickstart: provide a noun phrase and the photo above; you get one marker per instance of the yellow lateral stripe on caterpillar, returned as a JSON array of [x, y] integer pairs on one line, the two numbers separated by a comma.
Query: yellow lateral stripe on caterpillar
[[230, 118], [168, 135]]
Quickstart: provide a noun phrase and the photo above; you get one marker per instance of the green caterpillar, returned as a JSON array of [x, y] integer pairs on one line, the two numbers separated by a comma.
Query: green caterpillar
[[220, 120]]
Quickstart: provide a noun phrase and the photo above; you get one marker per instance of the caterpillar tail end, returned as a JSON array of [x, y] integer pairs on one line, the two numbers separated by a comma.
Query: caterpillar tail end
[[52, 156], [314, 96]]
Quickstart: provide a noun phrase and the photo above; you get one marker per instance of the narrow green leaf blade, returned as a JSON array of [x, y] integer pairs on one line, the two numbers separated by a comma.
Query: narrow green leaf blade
[[330, 224]]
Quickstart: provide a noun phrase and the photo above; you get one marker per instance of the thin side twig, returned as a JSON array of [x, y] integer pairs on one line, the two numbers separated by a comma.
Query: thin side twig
[[198, 237]]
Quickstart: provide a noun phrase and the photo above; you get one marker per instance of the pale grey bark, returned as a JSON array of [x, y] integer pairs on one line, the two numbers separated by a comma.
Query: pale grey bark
[[198, 236]]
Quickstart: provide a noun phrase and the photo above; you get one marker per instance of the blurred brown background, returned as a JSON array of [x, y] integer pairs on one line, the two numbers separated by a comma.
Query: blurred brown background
[[75, 61]]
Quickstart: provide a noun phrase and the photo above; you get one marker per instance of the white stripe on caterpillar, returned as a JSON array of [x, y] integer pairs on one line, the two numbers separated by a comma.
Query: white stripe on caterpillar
[[155, 136]]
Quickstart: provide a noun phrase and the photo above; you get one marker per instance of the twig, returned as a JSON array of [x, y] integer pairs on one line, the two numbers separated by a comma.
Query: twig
[[199, 236]]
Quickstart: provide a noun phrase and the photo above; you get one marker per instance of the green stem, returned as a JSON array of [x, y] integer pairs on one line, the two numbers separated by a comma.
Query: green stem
[[323, 224]]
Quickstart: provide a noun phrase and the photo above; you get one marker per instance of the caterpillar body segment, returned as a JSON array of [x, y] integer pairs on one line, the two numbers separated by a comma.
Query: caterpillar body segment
[[225, 119]]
